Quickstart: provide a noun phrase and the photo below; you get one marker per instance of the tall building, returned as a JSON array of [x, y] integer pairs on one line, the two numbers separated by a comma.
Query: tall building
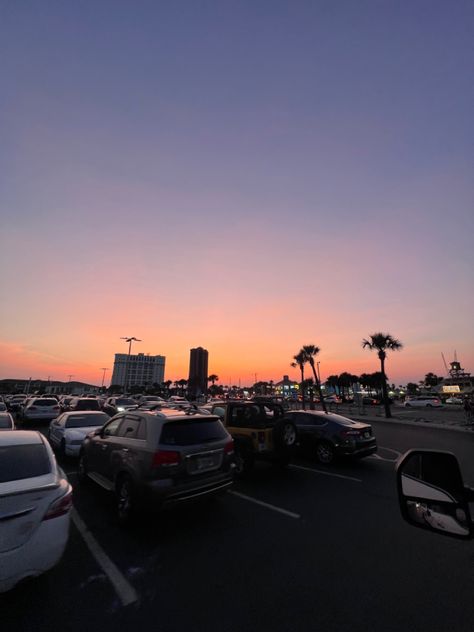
[[138, 370], [197, 381]]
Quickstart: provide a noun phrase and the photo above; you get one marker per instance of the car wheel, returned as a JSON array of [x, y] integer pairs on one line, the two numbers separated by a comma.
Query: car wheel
[[428, 406], [285, 434], [243, 460], [82, 469], [125, 495], [407, 405], [325, 452]]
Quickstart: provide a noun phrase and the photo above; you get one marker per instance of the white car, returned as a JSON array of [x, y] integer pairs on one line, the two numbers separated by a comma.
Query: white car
[[40, 409], [35, 503], [6, 421], [454, 401], [68, 431], [423, 401]]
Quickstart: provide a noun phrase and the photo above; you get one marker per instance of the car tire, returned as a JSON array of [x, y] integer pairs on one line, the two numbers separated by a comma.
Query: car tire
[[244, 461], [82, 469], [126, 500], [325, 453], [285, 434], [429, 406], [407, 405]]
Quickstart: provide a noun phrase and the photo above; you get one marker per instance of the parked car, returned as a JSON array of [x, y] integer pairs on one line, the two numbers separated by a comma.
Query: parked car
[[116, 405], [456, 401], [260, 431], [84, 403], [6, 421], [423, 401], [3, 407], [15, 403], [332, 399], [40, 409], [150, 399], [35, 503], [152, 458], [68, 431], [328, 435]]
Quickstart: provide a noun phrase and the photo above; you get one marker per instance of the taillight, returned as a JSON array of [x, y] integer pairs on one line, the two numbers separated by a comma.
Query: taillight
[[60, 506], [166, 458], [350, 433], [229, 447]]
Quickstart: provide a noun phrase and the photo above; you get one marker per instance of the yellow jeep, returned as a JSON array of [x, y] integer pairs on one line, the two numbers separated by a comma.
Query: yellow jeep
[[260, 431]]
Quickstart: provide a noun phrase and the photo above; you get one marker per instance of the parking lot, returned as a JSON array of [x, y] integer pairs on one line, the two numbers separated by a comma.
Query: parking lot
[[304, 548]]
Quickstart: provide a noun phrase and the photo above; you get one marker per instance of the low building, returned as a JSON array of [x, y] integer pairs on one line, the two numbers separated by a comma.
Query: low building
[[286, 387]]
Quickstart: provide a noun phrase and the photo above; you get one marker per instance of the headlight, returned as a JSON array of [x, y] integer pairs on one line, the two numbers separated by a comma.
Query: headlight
[[120, 409]]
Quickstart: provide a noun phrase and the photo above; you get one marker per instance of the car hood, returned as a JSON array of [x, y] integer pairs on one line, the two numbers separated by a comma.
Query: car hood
[[73, 434]]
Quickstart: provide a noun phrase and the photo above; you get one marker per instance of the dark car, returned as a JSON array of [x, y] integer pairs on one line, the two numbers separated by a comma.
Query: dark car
[[116, 405], [330, 435], [151, 458], [84, 403]]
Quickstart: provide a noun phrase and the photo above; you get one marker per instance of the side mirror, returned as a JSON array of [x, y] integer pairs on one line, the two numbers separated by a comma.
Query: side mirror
[[432, 494], [98, 432]]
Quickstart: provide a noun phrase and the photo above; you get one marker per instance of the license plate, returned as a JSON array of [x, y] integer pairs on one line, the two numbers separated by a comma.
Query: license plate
[[204, 463], [200, 464]]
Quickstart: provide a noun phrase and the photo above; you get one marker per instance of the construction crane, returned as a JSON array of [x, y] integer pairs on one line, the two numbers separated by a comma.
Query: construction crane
[[445, 363]]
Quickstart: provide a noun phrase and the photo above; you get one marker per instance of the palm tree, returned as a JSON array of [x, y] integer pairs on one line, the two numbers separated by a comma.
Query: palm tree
[[299, 361], [309, 352], [382, 343], [213, 379]]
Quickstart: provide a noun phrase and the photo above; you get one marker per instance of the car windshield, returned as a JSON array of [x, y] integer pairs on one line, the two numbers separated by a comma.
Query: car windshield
[[18, 462], [125, 402], [192, 432], [86, 421], [5, 421]]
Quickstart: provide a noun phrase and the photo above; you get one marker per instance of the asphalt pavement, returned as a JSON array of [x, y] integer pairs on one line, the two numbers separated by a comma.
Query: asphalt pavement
[[303, 549]]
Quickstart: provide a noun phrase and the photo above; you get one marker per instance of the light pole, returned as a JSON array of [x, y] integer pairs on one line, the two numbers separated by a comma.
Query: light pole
[[129, 340], [104, 369]]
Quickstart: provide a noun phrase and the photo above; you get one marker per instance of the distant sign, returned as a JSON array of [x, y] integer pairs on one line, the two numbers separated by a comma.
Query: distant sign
[[451, 389]]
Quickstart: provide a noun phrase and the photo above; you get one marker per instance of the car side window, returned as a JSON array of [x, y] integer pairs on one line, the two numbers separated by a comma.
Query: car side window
[[129, 428], [110, 430], [314, 420]]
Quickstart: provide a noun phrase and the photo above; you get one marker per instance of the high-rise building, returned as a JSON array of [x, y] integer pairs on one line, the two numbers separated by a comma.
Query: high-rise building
[[197, 381], [138, 370]]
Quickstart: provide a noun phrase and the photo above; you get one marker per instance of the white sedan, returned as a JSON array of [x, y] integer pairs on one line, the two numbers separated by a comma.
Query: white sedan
[[35, 503], [423, 401], [68, 431]]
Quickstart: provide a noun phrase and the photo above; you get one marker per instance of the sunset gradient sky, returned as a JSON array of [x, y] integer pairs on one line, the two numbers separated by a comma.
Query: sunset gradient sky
[[248, 176]]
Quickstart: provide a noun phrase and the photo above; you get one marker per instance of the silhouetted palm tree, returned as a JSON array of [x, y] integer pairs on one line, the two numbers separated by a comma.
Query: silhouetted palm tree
[[299, 361], [382, 343], [310, 352], [213, 379]]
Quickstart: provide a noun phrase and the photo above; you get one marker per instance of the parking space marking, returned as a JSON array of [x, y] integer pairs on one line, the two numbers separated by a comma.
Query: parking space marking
[[285, 512], [310, 469], [125, 591]]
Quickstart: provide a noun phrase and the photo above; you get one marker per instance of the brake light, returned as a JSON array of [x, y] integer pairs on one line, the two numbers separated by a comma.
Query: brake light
[[166, 458], [60, 507], [350, 433], [229, 447]]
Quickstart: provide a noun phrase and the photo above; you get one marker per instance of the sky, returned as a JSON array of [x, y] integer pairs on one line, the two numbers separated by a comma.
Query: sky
[[247, 176]]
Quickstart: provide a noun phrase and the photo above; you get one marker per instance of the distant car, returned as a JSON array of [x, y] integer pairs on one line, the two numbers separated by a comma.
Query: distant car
[[6, 421], [68, 431], [3, 407], [150, 399], [116, 405], [457, 401], [35, 503], [15, 403], [423, 401], [148, 459], [40, 409], [328, 435], [332, 399], [84, 403]]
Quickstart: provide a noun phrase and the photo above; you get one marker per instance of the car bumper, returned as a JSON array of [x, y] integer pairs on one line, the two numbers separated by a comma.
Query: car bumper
[[42, 551], [40, 416], [357, 451], [166, 492]]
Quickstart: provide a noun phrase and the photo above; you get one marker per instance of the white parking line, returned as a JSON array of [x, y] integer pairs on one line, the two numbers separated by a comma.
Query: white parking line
[[310, 469], [285, 512], [125, 591]]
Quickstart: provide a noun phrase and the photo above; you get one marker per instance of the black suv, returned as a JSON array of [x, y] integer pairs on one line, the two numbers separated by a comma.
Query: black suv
[[152, 458]]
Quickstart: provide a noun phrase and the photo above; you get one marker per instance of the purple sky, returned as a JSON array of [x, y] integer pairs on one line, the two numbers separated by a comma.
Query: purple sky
[[245, 176]]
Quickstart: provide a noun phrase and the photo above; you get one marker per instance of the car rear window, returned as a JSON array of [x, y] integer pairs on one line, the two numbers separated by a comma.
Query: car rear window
[[87, 404], [45, 402], [23, 461], [86, 421], [191, 432]]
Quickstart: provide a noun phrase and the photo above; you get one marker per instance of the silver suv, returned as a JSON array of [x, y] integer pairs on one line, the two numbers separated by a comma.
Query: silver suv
[[151, 458]]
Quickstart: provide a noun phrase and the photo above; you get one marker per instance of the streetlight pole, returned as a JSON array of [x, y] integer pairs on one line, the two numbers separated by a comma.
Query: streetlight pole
[[129, 340], [104, 369]]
